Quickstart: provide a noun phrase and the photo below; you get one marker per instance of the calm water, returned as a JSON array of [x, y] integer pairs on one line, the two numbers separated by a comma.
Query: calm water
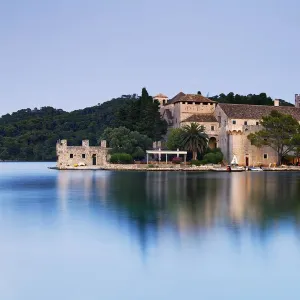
[[127, 235]]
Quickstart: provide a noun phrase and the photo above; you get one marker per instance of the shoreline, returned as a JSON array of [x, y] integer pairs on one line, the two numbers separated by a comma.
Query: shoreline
[[175, 168]]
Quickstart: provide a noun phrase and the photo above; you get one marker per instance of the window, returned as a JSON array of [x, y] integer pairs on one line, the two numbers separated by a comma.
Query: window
[[233, 122], [83, 155], [212, 127], [183, 102], [219, 120], [245, 123], [257, 123], [71, 155], [265, 156]]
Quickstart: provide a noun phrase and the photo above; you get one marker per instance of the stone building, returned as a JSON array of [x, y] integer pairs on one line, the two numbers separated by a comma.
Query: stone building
[[85, 155], [227, 125]]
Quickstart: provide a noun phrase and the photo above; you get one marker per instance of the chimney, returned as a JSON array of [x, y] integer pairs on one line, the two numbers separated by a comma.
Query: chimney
[[297, 100], [276, 102]]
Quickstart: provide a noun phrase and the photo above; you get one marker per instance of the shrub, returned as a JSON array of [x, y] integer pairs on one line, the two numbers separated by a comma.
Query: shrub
[[213, 158], [121, 158], [203, 162], [176, 160], [195, 162], [139, 153]]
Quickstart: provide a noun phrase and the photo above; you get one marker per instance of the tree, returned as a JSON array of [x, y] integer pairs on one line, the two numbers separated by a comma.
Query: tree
[[279, 132], [194, 138], [122, 140], [174, 140]]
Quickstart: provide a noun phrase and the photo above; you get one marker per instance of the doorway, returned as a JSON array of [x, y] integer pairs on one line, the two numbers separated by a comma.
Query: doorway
[[247, 161], [212, 143], [94, 159]]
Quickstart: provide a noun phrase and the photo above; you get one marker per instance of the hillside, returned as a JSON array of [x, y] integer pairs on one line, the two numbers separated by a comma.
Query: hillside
[[31, 135]]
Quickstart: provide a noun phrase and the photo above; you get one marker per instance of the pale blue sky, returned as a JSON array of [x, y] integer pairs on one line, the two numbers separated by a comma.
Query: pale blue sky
[[76, 53]]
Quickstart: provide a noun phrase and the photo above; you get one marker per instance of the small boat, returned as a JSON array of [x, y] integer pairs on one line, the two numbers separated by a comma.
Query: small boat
[[229, 169], [255, 169]]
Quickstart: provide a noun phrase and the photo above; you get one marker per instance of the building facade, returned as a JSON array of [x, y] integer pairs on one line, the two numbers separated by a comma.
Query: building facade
[[73, 156], [227, 125]]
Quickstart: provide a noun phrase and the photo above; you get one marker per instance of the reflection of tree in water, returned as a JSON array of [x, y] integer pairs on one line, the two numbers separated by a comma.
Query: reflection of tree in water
[[128, 195]]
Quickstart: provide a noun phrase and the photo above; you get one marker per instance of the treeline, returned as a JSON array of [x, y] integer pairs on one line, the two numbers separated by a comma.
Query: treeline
[[31, 135], [261, 99]]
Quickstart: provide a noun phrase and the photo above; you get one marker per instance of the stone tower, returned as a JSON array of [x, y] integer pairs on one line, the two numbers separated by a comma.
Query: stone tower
[[297, 100], [162, 99]]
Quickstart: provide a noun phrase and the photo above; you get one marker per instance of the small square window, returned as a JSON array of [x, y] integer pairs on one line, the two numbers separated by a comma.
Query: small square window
[[83, 155], [212, 128], [245, 123], [265, 156], [233, 122], [71, 155], [257, 123]]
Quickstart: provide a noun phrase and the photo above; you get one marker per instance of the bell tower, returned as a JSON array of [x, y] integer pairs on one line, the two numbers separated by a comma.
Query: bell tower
[[162, 99]]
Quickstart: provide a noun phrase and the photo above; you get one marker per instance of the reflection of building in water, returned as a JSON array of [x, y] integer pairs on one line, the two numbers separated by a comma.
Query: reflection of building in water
[[88, 185], [190, 202]]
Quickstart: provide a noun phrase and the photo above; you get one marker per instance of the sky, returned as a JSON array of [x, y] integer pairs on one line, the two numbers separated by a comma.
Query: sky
[[72, 54]]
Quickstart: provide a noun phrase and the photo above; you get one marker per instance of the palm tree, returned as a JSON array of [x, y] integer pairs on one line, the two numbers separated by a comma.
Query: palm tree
[[194, 138]]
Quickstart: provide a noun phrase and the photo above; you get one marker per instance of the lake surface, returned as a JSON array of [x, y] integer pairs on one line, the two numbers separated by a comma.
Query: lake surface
[[140, 236]]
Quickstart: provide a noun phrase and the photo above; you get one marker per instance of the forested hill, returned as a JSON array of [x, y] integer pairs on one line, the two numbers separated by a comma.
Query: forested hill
[[261, 99], [31, 135]]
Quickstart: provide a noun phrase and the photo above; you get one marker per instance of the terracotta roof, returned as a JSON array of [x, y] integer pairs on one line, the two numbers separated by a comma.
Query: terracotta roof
[[201, 118], [160, 95], [247, 111], [189, 98]]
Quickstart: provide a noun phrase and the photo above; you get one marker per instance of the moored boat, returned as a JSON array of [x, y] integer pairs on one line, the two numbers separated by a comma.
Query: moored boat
[[255, 169]]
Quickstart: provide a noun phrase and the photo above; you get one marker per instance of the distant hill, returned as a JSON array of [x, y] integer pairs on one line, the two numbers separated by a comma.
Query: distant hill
[[31, 135]]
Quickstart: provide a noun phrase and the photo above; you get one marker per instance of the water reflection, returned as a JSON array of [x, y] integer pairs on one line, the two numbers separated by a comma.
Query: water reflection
[[218, 235], [187, 204]]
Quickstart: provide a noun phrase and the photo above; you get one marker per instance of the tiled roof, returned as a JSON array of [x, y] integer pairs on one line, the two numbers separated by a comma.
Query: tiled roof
[[189, 98], [160, 95], [201, 118], [247, 111]]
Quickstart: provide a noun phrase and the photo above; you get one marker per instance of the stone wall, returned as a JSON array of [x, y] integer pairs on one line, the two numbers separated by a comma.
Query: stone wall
[[68, 156]]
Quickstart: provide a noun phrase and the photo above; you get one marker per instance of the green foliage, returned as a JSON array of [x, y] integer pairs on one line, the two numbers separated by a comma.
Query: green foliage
[[195, 162], [122, 140], [194, 138], [31, 135], [280, 132], [121, 158], [261, 99], [174, 140], [213, 158]]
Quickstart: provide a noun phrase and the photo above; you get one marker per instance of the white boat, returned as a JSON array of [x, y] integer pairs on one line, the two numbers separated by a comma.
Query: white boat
[[255, 169]]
